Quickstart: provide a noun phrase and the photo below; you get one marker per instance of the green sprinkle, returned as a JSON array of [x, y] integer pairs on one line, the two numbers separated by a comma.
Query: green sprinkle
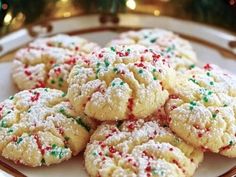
[[60, 85], [8, 112], [115, 69], [29, 111], [154, 70], [95, 154], [80, 122], [107, 63], [46, 90], [3, 124], [97, 71], [192, 66], [192, 104], [210, 92], [119, 123], [98, 64], [208, 74], [55, 65], [43, 161], [62, 110], [231, 143], [11, 97], [153, 40], [122, 83], [154, 78], [54, 146], [128, 50], [60, 79], [211, 83], [19, 140], [113, 84], [225, 105], [67, 138], [64, 94], [10, 131], [193, 80], [205, 99], [168, 49], [214, 116], [140, 71], [53, 82], [113, 49]]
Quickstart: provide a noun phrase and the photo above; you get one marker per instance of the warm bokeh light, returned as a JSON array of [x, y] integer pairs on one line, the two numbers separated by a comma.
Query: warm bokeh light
[[131, 4], [156, 12], [7, 18], [66, 14]]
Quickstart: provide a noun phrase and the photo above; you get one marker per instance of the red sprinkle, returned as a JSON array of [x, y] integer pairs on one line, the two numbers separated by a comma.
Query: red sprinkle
[[140, 65], [57, 71], [14, 138], [35, 97], [112, 149], [27, 73], [148, 169], [71, 61], [131, 126], [100, 55], [131, 117], [207, 67], [173, 96], [51, 62], [225, 148], [142, 59], [199, 135], [40, 84], [36, 137], [130, 104]]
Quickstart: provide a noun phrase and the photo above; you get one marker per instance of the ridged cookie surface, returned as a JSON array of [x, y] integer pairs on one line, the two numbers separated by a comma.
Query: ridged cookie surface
[[139, 148], [122, 82], [203, 111], [178, 50], [47, 62], [39, 127]]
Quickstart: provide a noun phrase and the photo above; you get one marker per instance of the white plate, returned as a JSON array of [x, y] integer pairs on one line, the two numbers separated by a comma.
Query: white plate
[[213, 165]]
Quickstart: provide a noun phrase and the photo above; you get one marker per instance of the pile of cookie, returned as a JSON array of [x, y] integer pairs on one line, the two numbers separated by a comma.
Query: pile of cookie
[[139, 106]]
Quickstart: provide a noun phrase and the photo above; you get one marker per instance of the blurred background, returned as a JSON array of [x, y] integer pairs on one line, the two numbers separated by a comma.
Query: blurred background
[[15, 14]]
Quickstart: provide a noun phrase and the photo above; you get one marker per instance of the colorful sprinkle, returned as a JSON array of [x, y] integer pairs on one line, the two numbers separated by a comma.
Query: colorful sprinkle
[[80, 122]]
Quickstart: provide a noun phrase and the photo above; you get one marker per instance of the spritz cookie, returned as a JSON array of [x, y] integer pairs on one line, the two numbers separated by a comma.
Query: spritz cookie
[[39, 127], [122, 82], [40, 65], [139, 148], [64, 41], [203, 109], [178, 50]]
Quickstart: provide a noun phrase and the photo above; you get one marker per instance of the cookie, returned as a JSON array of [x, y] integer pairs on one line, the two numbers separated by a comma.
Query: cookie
[[139, 148], [122, 82], [40, 65], [39, 127], [64, 41], [202, 111], [178, 50]]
